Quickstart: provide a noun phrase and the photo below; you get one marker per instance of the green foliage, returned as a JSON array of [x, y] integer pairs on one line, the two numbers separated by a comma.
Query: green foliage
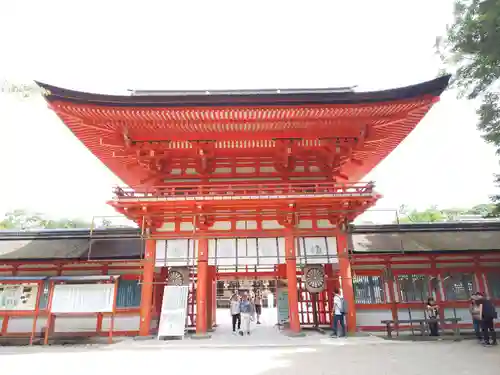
[[23, 220], [433, 214], [485, 210], [430, 215], [472, 48]]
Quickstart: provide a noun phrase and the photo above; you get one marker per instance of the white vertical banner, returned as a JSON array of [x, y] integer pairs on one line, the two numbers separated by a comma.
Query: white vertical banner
[[173, 311]]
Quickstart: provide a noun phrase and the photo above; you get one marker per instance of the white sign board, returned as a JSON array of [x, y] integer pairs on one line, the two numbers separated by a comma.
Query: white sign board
[[20, 297], [83, 298], [173, 311]]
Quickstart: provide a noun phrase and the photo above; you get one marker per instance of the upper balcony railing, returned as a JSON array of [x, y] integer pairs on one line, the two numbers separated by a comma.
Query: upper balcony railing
[[246, 191]]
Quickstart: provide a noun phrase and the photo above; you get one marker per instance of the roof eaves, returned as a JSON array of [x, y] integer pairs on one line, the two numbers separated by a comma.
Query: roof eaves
[[295, 97]]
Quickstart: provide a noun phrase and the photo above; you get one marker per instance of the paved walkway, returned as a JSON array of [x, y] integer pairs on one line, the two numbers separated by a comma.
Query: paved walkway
[[443, 358], [263, 335]]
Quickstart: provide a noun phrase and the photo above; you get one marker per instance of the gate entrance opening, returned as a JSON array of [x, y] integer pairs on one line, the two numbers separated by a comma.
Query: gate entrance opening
[[237, 265], [228, 286]]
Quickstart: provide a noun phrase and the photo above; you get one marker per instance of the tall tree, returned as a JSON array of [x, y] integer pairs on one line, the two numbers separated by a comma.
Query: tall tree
[[471, 47]]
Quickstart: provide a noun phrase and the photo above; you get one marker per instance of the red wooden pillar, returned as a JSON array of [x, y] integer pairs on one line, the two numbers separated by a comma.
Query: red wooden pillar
[[392, 290], [330, 287], [437, 293], [479, 275], [210, 297], [346, 280], [214, 294], [161, 282], [291, 273], [280, 272], [202, 287], [5, 323], [148, 274]]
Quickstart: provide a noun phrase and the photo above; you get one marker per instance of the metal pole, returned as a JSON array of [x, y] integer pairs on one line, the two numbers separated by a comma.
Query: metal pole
[[90, 237], [192, 282]]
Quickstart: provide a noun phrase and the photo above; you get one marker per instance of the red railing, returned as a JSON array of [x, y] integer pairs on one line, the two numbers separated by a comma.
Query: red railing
[[247, 190]]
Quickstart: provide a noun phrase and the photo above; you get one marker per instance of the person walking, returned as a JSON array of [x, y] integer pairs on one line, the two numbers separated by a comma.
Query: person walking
[[234, 308], [488, 315], [338, 314], [247, 311]]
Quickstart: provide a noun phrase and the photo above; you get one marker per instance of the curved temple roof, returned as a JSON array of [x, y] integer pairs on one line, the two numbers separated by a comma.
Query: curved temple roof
[[368, 125], [244, 98]]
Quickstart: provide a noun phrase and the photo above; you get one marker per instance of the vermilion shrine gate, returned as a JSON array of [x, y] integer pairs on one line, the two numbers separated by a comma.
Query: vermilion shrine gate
[[247, 181]]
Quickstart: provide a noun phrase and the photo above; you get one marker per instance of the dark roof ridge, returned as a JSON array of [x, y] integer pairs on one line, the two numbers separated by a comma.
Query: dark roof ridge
[[288, 98]]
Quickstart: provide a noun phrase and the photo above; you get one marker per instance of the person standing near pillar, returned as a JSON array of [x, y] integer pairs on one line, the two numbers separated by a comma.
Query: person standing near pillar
[[488, 314], [338, 314]]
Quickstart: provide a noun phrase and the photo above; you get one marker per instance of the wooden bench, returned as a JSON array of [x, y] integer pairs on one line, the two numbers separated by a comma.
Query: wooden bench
[[423, 325]]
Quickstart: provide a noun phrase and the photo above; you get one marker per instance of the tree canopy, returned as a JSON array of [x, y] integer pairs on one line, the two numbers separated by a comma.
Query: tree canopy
[[21, 219], [471, 48], [434, 214]]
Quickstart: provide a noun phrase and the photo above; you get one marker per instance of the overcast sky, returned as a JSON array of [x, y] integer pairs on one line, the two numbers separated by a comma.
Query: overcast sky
[[110, 46]]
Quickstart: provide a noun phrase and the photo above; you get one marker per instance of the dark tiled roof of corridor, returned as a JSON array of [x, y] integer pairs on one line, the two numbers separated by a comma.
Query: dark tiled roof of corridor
[[425, 241], [44, 249], [126, 243]]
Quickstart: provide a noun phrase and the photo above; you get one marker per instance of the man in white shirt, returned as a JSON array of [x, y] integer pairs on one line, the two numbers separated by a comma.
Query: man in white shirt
[[338, 314]]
